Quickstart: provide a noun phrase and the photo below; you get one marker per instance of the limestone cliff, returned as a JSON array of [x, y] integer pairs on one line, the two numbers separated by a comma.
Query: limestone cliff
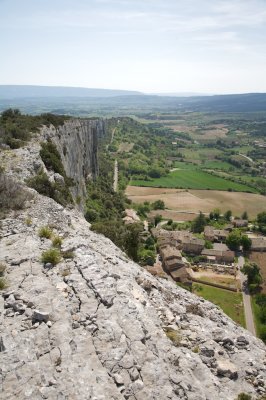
[[77, 142], [98, 326]]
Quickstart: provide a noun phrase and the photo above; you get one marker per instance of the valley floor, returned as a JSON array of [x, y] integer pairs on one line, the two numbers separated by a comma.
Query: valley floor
[[191, 201]]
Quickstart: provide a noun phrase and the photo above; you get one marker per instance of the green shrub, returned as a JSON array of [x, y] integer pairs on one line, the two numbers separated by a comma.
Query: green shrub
[[41, 183], [67, 254], [52, 256], [2, 269], [28, 221], [3, 284], [51, 157], [12, 195], [57, 241], [244, 396], [173, 335], [45, 232]]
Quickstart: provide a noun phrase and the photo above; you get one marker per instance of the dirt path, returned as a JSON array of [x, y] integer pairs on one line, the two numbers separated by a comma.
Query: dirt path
[[246, 157], [115, 176], [113, 133], [246, 299]]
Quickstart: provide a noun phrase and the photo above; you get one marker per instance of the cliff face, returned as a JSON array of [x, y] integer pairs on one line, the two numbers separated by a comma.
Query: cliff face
[[77, 142], [98, 326]]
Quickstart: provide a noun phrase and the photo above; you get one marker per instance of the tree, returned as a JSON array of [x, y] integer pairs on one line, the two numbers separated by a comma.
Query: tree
[[261, 218], [157, 219], [199, 223], [244, 215], [246, 242], [233, 240], [216, 213], [252, 271], [158, 205], [228, 215], [132, 240]]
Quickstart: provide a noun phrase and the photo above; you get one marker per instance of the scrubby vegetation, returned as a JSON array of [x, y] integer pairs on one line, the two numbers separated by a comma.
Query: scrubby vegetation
[[3, 281], [45, 232], [52, 256], [57, 191], [12, 195], [16, 129]]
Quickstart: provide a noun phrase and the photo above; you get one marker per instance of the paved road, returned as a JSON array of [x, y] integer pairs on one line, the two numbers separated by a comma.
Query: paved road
[[246, 299], [115, 176]]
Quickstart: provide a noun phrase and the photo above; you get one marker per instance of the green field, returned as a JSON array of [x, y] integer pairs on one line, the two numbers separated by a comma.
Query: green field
[[193, 179], [260, 327], [230, 302]]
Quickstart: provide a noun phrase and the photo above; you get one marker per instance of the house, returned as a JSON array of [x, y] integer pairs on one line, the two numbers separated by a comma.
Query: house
[[171, 258], [219, 256], [209, 233], [258, 244], [193, 245], [240, 223], [182, 275], [220, 247], [173, 238], [220, 235], [212, 234]]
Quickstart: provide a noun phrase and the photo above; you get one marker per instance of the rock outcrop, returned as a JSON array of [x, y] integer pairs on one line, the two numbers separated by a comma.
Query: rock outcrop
[[77, 143], [98, 326]]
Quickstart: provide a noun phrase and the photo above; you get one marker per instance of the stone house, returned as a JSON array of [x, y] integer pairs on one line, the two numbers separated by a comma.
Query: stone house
[[171, 258], [182, 275], [209, 233], [258, 244], [240, 223], [212, 234], [193, 245], [219, 256]]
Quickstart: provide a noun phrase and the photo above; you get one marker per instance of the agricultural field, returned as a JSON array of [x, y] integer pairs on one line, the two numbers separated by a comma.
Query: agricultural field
[[192, 201], [260, 327], [194, 179], [221, 279], [196, 161], [229, 302]]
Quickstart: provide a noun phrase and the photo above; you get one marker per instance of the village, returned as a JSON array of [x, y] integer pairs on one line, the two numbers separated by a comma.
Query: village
[[184, 257]]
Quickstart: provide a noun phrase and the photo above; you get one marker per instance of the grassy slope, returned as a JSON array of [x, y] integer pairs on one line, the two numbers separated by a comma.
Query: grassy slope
[[230, 302], [193, 179]]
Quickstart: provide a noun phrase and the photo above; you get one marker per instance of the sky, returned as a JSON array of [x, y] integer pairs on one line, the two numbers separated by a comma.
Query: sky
[[154, 46]]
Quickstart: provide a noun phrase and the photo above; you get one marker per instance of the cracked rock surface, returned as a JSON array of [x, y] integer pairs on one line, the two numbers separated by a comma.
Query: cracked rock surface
[[97, 326]]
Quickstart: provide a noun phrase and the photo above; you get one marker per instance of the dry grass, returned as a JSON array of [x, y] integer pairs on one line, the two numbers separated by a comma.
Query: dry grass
[[12, 194], [125, 147], [203, 200]]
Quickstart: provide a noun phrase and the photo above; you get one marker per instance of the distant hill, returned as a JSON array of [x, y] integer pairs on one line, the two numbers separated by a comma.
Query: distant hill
[[83, 102], [180, 94], [27, 91]]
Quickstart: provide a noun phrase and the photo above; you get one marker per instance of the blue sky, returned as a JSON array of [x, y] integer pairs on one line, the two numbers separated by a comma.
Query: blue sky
[[206, 46]]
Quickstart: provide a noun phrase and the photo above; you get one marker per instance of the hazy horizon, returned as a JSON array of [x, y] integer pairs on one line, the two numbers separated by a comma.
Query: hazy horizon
[[151, 46], [186, 94]]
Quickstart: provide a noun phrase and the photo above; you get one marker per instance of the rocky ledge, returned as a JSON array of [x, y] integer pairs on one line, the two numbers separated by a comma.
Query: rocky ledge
[[97, 326]]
